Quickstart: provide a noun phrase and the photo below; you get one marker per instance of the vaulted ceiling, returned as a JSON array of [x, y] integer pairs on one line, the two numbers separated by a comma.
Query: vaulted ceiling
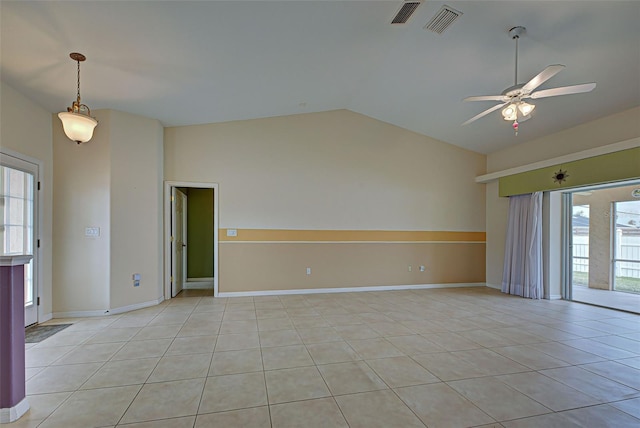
[[185, 62]]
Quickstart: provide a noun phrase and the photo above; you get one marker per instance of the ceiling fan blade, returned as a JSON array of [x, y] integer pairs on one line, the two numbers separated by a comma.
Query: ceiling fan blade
[[542, 77], [564, 90], [487, 98], [484, 113]]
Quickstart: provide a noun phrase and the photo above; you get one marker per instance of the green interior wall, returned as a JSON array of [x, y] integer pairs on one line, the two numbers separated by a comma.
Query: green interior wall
[[200, 233], [608, 168]]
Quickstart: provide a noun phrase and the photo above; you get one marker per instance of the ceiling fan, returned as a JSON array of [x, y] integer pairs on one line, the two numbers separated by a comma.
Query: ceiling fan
[[512, 98]]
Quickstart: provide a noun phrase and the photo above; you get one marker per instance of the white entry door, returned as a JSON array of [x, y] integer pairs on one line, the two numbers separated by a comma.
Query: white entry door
[[18, 211], [178, 241]]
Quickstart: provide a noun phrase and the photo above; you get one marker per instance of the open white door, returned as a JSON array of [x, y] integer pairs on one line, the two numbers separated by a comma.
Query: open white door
[[178, 238], [18, 210]]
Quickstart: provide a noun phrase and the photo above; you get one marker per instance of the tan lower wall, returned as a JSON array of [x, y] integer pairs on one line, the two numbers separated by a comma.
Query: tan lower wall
[[261, 266]]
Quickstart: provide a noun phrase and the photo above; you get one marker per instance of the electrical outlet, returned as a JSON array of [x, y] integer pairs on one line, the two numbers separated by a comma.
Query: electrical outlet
[[409, 268], [308, 271], [422, 268]]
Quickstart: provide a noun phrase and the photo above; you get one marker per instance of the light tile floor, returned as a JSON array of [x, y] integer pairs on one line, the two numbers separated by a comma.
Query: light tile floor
[[447, 357], [611, 299]]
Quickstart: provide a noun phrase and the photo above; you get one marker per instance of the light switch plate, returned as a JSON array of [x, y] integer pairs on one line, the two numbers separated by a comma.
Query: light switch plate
[[92, 232], [232, 232]]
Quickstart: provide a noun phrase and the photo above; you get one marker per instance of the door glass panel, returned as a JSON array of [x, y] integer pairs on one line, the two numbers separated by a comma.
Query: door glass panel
[[580, 226], [626, 245], [16, 216]]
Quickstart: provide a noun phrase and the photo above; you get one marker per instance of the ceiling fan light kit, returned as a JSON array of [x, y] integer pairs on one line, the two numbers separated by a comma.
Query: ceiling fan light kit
[[77, 122], [512, 99]]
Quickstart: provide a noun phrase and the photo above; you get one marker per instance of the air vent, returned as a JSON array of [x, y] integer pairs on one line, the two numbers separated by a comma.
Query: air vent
[[405, 12], [443, 19]]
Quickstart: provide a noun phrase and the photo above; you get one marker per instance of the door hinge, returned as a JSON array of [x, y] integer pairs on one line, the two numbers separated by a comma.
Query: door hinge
[[172, 198], [171, 279], [172, 239], [38, 185], [38, 243], [38, 301]]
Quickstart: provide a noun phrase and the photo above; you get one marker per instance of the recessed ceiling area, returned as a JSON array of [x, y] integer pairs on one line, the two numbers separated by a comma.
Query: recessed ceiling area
[[187, 63]]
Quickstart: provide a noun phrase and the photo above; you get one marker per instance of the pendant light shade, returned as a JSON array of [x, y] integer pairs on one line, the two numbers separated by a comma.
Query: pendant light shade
[[77, 126], [77, 122]]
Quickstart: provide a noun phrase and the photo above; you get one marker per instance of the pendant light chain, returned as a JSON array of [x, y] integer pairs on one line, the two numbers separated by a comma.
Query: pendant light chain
[[78, 81]]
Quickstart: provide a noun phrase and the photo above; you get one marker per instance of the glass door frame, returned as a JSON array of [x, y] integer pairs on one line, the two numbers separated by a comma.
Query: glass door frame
[[19, 163], [566, 267]]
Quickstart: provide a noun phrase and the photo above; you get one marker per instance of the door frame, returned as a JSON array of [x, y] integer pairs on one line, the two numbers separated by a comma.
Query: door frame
[[174, 247], [17, 159], [567, 233], [168, 187]]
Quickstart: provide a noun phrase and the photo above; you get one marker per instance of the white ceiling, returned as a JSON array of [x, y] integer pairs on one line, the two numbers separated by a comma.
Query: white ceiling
[[188, 62]]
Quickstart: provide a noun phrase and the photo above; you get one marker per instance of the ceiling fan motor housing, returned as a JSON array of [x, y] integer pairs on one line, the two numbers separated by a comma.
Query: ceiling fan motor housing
[[516, 32]]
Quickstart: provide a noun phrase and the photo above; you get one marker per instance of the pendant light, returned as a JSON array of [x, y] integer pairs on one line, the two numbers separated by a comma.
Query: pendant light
[[77, 121]]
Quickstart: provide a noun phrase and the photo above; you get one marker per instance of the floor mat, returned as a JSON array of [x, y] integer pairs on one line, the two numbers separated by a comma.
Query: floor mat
[[38, 333]]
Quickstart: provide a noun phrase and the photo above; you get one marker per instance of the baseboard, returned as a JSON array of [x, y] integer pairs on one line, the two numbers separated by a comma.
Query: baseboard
[[101, 313], [347, 289], [135, 306], [555, 297], [198, 283], [497, 287], [14, 413], [81, 314]]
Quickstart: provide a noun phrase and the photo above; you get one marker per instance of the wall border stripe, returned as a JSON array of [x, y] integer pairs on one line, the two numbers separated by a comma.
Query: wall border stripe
[[353, 242], [359, 236]]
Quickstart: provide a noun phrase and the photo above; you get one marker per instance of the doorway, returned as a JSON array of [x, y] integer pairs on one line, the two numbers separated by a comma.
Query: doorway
[[19, 223], [191, 238], [604, 241]]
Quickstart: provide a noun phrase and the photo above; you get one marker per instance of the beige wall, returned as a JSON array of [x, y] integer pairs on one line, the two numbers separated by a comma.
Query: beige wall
[[608, 130], [136, 209], [113, 182], [322, 171], [282, 266], [25, 128]]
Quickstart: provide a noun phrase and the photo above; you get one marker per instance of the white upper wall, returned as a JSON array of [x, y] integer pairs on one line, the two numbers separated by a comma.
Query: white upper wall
[[113, 182], [26, 129], [81, 178], [330, 170], [600, 132]]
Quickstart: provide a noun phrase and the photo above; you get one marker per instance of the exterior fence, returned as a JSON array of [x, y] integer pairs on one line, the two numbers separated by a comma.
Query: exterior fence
[[626, 262]]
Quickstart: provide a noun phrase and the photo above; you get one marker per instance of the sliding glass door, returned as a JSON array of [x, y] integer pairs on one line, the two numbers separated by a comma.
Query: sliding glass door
[[603, 246]]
